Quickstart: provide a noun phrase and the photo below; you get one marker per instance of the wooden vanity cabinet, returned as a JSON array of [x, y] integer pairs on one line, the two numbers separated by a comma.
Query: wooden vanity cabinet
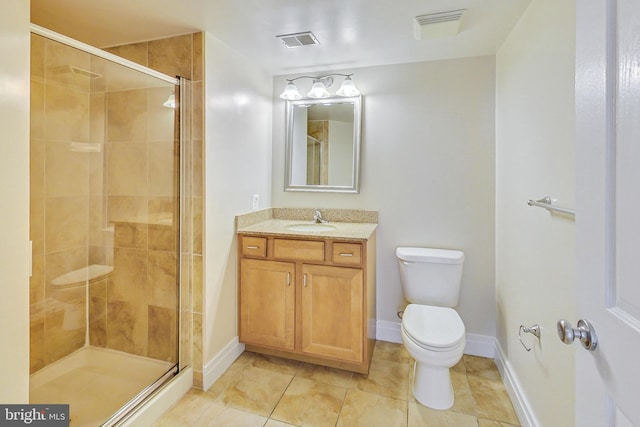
[[308, 299]]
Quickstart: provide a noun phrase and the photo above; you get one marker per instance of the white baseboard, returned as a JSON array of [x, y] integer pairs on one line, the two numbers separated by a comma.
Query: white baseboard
[[388, 331], [215, 367], [518, 397], [477, 345]]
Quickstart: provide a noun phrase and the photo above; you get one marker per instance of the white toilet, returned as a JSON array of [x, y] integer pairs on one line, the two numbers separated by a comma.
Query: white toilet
[[432, 331]]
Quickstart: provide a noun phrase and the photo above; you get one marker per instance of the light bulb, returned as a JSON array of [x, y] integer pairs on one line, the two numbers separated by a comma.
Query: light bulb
[[290, 92], [348, 88]]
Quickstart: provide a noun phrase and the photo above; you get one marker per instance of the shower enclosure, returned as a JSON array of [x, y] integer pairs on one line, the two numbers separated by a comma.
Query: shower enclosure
[[110, 212]]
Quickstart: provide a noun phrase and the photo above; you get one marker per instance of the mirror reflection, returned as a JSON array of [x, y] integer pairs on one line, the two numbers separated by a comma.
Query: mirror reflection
[[323, 144]]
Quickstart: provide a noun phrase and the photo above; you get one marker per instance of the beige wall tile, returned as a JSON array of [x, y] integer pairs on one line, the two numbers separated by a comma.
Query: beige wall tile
[[163, 286], [98, 236], [197, 169], [136, 52], [67, 114], [127, 169], [36, 343], [36, 224], [171, 56], [98, 333], [162, 160], [127, 208], [127, 326], [128, 281], [64, 330], [162, 333], [37, 57], [36, 282], [161, 119], [59, 60], [162, 237], [37, 168], [97, 117], [131, 235], [36, 119], [66, 170], [127, 116], [197, 111], [198, 225], [66, 222], [198, 57], [58, 263], [198, 287], [197, 341]]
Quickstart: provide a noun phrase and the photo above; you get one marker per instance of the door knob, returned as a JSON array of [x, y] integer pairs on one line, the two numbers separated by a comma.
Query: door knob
[[584, 332]]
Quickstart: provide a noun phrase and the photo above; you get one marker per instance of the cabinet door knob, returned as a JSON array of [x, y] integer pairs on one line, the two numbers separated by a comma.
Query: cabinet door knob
[[304, 280], [288, 279]]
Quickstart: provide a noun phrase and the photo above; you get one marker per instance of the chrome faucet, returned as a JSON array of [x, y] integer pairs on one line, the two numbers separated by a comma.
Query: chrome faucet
[[317, 218]]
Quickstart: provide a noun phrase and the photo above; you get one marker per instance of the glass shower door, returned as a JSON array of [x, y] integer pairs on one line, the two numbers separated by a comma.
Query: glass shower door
[[105, 222]]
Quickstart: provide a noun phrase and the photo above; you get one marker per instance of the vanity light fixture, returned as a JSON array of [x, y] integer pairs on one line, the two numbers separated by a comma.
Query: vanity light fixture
[[319, 87]]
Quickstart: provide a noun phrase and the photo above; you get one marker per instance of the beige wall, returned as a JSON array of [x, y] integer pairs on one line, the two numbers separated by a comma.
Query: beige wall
[[237, 165], [14, 199], [535, 251], [427, 167]]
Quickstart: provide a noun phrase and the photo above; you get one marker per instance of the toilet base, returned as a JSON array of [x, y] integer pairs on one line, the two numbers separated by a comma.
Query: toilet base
[[432, 386]]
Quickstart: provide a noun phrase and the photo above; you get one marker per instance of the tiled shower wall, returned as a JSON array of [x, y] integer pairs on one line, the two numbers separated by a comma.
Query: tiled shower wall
[[60, 197], [183, 56], [133, 310]]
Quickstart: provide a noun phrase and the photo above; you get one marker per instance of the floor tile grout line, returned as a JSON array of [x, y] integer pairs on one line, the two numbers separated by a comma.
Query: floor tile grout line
[[281, 396]]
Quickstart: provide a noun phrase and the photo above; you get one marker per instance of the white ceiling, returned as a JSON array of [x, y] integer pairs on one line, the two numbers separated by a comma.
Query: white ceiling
[[352, 33]]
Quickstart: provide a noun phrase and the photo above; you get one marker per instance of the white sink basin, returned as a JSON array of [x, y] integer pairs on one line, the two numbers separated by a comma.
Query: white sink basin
[[311, 227]]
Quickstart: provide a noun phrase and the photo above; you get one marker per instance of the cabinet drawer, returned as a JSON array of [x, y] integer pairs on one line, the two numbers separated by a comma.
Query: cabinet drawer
[[347, 253], [254, 246], [304, 250]]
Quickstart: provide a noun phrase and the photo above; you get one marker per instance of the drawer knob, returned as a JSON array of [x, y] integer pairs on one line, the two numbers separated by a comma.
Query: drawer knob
[[346, 254], [253, 247]]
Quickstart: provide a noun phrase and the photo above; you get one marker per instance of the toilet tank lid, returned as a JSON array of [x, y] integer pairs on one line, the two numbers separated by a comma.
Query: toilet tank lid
[[440, 256]]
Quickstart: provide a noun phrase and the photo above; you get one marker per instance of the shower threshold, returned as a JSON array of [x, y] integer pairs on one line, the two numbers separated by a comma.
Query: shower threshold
[[95, 382]]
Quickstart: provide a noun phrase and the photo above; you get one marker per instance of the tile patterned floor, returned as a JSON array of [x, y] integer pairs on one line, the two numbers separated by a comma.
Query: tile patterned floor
[[266, 391]]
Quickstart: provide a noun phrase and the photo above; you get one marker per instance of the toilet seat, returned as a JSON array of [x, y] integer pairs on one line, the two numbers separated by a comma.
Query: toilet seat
[[433, 328]]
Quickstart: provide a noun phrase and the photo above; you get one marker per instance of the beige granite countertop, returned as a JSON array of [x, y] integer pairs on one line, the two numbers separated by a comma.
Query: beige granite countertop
[[342, 230]]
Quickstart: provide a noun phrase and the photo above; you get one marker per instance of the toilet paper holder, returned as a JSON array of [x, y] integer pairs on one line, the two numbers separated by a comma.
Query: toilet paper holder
[[533, 329]]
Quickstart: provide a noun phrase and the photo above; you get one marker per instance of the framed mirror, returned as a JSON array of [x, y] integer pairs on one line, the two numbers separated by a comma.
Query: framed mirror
[[323, 144]]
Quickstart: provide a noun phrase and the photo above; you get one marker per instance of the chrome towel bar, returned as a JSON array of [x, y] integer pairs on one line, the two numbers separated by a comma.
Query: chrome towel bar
[[547, 203]]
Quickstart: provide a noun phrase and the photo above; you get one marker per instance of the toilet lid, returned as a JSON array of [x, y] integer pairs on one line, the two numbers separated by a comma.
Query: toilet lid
[[438, 327]]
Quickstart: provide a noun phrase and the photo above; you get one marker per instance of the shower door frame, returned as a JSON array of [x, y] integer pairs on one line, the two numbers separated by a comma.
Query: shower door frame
[[184, 266]]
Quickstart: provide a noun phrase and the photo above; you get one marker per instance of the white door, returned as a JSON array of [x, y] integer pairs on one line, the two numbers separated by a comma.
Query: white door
[[608, 210]]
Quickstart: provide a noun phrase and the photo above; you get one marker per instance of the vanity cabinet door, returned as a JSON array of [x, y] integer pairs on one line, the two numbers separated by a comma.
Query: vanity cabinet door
[[332, 312], [267, 303]]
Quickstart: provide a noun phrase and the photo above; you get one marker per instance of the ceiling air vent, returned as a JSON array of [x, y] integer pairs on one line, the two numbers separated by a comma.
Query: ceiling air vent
[[298, 39], [440, 24]]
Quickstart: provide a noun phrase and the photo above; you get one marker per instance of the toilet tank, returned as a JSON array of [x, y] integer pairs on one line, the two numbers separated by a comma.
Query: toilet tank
[[430, 276]]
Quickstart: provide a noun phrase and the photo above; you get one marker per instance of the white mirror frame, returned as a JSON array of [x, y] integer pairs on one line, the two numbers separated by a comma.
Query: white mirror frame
[[357, 124]]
